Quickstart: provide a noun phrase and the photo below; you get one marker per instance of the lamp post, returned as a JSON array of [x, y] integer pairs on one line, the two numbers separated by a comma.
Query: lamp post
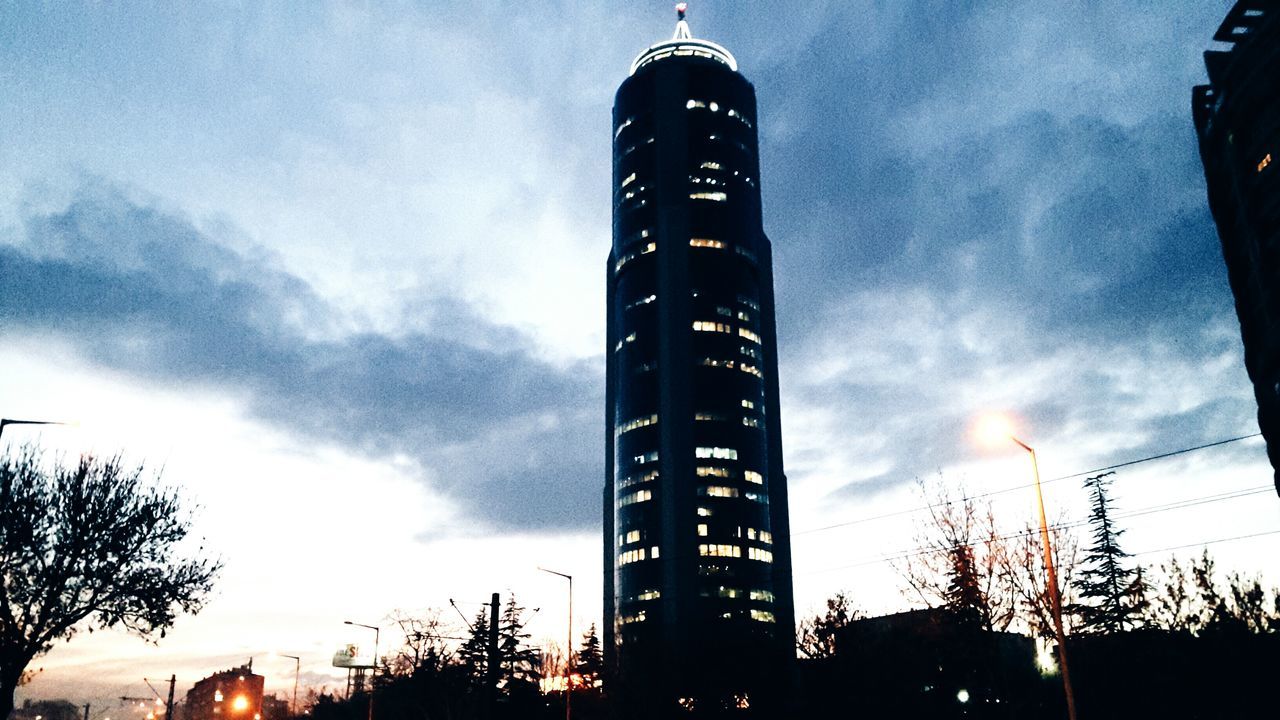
[[377, 632], [996, 428], [568, 650], [297, 667], [6, 422], [1055, 598]]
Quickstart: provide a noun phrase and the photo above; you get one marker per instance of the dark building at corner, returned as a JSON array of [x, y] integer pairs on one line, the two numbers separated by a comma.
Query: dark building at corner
[[1237, 118], [698, 598]]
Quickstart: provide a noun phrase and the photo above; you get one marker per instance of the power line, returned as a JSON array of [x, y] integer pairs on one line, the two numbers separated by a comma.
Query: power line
[[1166, 507], [1024, 486]]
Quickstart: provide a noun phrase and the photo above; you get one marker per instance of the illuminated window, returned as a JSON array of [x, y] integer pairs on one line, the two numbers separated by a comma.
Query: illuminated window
[[645, 595], [628, 618], [714, 107], [759, 554], [748, 302], [653, 553], [752, 369], [720, 550], [704, 471], [638, 496], [748, 404], [625, 124], [750, 421], [635, 424], [716, 196], [718, 453], [758, 497], [694, 104], [712, 326], [703, 242], [766, 537], [702, 529], [730, 592], [716, 362], [710, 166], [762, 615], [718, 491], [632, 256], [637, 478], [762, 595], [704, 512], [631, 536], [753, 476], [749, 351], [629, 179], [743, 332], [709, 417], [645, 458]]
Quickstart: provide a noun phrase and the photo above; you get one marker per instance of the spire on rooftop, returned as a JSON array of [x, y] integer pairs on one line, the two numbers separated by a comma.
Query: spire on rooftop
[[682, 27]]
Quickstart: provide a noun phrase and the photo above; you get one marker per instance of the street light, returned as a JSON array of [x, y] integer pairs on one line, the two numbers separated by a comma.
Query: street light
[[996, 428], [568, 649], [297, 666], [377, 632], [6, 422]]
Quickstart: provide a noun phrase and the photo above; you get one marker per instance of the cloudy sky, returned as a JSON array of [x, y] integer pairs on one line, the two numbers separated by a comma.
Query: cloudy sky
[[340, 270]]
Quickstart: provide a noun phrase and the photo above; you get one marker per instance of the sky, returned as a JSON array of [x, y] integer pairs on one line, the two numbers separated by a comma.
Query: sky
[[338, 270]]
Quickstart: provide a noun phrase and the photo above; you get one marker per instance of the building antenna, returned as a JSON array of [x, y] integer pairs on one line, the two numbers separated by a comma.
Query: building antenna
[[682, 27]]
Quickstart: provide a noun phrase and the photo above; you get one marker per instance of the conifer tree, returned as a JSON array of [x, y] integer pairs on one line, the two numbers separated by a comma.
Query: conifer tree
[[520, 662], [474, 653], [590, 664], [1107, 586]]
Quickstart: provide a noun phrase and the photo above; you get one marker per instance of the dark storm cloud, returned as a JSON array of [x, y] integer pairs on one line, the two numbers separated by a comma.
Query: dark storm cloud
[[144, 291]]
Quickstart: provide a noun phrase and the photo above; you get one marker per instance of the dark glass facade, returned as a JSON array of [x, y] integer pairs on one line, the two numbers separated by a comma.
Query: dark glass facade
[[1237, 118], [698, 603]]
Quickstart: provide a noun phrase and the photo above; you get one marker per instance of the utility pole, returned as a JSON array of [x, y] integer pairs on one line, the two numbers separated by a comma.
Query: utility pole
[[86, 711], [495, 658], [168, 708]]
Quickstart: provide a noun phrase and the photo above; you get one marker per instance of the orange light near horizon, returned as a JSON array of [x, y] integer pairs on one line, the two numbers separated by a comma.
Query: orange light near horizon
[[993, 430]]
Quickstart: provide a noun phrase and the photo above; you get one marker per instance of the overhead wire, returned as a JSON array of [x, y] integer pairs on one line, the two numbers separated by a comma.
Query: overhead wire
[[930, 506]]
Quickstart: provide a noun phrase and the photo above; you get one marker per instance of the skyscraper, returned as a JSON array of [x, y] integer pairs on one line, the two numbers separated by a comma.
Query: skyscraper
[[1237, 117], [698, 601]]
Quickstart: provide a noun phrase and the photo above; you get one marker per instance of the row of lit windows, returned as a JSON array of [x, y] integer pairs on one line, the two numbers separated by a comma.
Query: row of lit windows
[[723, 491], [628, 618], [718, 453], [631, 536], [629, 179], [622, 126], [734, 551], [628, 339], [638, 496], [633, 255], [709, 417], [712, 326], [642, 301], [629, 556], [632, 148], [647, 595], [751, 422], [703, 242], [716, 196], [651, 456], [750, 476], [763, 536], [714, 106], [733, 593], [731, 364], [762, 615], [637, 478], [636, 423], [743, 332], [749, 302]]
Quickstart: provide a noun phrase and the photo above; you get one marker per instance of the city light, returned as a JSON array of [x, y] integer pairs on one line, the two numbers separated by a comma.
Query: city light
[[240, 704], [993, 429]]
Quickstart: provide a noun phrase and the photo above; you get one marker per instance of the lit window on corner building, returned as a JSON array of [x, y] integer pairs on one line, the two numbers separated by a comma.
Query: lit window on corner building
[[718, 453], [705, 243], [716, 196], [720, 491]]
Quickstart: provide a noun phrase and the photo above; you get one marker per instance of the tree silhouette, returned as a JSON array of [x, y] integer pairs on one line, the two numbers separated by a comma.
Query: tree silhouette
[[88, 546], [519, 661], [816, 636], [1109, 590], [590, 662]]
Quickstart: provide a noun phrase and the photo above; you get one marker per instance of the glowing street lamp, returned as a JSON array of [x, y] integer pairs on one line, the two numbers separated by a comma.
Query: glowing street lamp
[[994, 429]]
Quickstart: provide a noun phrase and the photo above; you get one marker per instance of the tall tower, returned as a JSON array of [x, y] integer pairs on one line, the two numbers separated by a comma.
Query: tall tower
[[1237, 117], [697, 555]]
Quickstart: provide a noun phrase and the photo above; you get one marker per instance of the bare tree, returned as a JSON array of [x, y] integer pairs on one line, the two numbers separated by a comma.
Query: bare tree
[[426, 642], [961, 560], [1023, 571], [84, 547]]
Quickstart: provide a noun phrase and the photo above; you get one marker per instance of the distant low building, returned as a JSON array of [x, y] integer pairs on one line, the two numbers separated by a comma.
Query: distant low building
[[234, 694], [46, 710]]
